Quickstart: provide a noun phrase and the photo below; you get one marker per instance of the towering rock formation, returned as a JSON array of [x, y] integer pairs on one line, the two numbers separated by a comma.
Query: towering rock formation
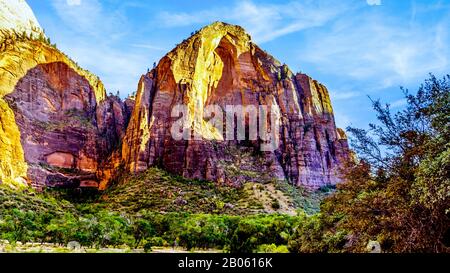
[[57, 124], [219, 65], [59, 128]]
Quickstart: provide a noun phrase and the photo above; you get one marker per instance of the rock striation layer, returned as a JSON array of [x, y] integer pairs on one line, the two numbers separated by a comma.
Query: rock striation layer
[[58, 128], [219, 65], [65, 134], [57, 124], [17, 15]]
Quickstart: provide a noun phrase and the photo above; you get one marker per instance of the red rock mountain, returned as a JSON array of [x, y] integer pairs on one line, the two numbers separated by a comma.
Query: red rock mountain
[[58, 127], [66, 135], [219, 65]]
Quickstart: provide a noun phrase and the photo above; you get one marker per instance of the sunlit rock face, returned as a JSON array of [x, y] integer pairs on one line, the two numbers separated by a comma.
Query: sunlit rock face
[[59, 129], [65, 135], [17, 15], [219, 65], [26, 57]]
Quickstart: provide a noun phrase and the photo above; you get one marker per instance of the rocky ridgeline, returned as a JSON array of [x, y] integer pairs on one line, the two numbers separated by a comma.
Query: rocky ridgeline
[[60, 129], [219, 65]]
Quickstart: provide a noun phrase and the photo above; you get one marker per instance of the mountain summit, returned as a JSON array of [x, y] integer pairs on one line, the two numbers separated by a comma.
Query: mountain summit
[[220, 65], [16, 15], [60, 129]]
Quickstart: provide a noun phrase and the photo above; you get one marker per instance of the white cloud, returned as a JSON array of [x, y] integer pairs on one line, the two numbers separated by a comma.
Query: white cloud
[[374, 2], [90, 18], [343, 95], [118, 69], [342, 120], [398, 103], [73, 2], [94, 35], [347, 41], [149, 46], [265, 22], [378, 50]]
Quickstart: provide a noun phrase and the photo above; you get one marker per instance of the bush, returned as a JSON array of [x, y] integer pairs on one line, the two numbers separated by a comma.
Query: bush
[[276, 205], [158, 241], [272, 248], [399, 198], [148, 247], [33, 217]]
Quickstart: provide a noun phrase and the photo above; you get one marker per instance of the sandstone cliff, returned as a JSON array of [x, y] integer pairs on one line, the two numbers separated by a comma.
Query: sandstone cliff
[[59, 128], [57, 124], [219, 65], [17, 15]]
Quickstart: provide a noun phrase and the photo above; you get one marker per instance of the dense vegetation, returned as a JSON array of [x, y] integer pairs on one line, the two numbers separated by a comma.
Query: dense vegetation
[[157, 190], [28, 217], [398, 193], [153, 208]]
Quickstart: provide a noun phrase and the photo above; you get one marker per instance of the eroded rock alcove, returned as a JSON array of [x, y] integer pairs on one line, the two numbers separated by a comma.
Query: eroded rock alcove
[[65, 134]]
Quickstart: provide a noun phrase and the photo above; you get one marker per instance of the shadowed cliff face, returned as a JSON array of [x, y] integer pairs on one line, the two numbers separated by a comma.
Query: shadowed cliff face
[[220, 66], [23, 47], [65, 135], [19, 54], [57, 126]]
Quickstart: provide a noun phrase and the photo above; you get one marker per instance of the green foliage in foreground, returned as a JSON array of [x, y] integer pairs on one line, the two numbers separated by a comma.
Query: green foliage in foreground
[[30, 217], [152, 209], [400, 198]]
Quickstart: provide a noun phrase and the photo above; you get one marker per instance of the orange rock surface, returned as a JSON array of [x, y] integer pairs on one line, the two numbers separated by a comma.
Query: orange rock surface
[[58, 127], [219, 65]]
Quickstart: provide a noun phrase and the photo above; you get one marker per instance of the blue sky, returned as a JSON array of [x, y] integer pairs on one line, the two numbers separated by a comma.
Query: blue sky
[[355, 47]]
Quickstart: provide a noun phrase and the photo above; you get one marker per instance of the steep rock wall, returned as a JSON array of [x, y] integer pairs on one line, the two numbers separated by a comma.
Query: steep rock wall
[[219, 65], [65, 134]]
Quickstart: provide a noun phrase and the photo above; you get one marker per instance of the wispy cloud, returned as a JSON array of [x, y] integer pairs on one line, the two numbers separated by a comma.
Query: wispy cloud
[[398, 103], [89, 17], [94, 35], [373, 2], [344, 95], [378, 49], [119, 70], [343, 120], [149, 46], [73, 2], [265, 22], [106, 26], [352, 47]]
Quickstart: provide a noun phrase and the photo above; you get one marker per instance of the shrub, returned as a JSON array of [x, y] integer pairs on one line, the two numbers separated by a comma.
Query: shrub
[[272, 248], [276, 205]]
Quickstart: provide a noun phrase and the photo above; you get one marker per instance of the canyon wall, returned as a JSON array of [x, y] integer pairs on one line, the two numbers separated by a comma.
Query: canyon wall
[[60, 129], [219, 65], [57, 124]]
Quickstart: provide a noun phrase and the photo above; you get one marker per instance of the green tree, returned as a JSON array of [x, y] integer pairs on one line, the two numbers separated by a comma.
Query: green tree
[[398, 192], [246, 237], [142, 229]]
